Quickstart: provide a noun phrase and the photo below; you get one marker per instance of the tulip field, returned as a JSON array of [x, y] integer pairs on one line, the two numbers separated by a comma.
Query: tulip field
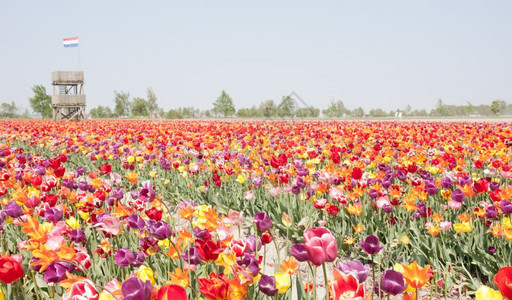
[[205, 209]]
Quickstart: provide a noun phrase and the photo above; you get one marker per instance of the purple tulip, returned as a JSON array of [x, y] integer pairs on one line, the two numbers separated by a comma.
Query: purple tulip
[[135, 289], [295, 190], [67, 183], [493, 186], [371, 245], [111, 200], [80, 171], [56, 271], [139, 259], [491, 212], [506, 206], [82, 185], [13, 210], [446, 182], [267, 285], [135, 222], [491, 249], [263, 221], [77, 236], [147, 194], [387, 208], [466, 180], [200, 234], [53, 215], [392, 282], [253, 241], [40, 170], [118, 194], [357, 268], [299, 252], [124, 257], [458, 195], [401, 175], [160, 230], [191, 256], [431, 189], [248, 261]]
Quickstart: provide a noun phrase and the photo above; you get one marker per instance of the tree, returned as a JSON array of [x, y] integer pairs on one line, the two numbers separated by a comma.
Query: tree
[[497, 106], [407, 110], [41, 101], [139, 107], [335, 110], [152, 105], [378, 113], [440, 109], [174, 114], [267, 109], [358, 112], [286, 107], [470, 109], [101, 112], [224, 105], [8, 110], [122, 104]]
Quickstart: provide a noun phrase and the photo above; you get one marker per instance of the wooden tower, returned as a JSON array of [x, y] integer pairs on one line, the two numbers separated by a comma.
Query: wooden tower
[[68, 99]]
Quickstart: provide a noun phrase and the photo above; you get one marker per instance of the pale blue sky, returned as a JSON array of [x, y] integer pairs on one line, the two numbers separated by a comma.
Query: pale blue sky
[[368, 53]]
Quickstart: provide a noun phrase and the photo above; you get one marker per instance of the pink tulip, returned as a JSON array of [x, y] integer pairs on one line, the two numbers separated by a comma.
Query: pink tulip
[[320, 244]]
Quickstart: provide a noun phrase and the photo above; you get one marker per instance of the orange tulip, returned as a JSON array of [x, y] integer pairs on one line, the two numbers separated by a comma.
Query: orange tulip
[[415, 276]]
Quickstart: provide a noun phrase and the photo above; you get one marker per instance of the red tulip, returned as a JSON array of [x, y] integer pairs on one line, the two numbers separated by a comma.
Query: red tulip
[[208, 250], [320, 244], [503, 280], [342, 283], [215, 287], [357, 173], [239, 247], [174, 292], [10, 269], [105, 169], [481, 185]]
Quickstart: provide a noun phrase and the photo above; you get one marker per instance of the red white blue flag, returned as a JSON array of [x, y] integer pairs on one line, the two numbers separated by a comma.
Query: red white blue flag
[[70, 42]]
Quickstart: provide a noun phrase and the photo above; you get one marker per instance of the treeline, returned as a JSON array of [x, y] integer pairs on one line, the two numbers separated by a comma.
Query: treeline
[[287, 108], [11, 110]]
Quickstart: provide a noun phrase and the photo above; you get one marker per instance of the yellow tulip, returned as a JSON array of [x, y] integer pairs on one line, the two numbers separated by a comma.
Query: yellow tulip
[[46, 226], [104, 296], [405, 240], [282, 282], [462, 227], [240, 178], [507, 224], [84, 215], [144, 273], [73, 223], [486, 293]]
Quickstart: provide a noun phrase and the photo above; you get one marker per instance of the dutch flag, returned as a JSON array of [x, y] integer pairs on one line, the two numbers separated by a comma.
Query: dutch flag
[[70, 42]]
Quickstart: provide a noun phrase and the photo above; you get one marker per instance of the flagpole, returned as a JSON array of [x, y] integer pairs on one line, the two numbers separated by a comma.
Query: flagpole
[[79, 59]]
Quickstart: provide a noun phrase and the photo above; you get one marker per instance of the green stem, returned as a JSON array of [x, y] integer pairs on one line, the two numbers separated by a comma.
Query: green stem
[[373, 277], [277, 250], [325, 282], [314, 280], [36, 287]]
